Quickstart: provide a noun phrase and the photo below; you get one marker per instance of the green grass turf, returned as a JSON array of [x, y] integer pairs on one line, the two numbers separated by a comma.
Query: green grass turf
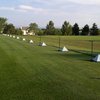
[[29, 72], [79, 43]]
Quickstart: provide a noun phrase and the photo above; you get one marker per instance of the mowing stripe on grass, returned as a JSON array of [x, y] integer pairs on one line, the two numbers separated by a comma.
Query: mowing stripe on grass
[[36, 73]]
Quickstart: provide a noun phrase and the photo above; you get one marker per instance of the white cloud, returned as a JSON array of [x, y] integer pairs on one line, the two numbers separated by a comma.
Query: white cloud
[[90, 2], [12, 9], [7, 8], [25, 7], [93, 2], [30, 8]]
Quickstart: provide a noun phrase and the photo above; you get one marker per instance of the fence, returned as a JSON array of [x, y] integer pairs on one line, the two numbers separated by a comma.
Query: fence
[[82, 45]]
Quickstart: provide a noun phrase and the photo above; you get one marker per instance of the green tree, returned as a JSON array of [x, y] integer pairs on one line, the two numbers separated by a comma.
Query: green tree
[[18, 31], [94, 30], [66, 28], [3, 22], [40, 32], [75, 29], [85, 30], [9, 29], [33, 27], [58, 31], [99, 31], [50, 29]]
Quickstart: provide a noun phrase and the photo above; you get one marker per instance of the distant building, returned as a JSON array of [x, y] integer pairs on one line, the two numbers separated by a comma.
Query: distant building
[[25, 31]]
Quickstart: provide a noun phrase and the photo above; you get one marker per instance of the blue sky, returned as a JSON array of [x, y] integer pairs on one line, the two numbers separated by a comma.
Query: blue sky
[[24, 12]]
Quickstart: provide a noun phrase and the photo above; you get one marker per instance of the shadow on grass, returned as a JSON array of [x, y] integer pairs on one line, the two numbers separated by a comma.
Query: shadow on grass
[[54, 46], [83, 55], [85, 52], [81, 51], [71, 55], [95, 78]]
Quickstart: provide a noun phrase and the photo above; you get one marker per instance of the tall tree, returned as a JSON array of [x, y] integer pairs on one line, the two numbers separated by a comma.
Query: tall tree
[[58, 31], [33, 27], [94, 30], [40, 32], [9, 29], [66, 28], [99, 31], [3, 22], [18, 31], [75, 29], [85, 30], [50, 29]]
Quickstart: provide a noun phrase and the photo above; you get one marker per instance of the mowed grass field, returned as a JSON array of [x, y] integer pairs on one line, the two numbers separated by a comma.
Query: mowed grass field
[[31, 72], [71, 42]]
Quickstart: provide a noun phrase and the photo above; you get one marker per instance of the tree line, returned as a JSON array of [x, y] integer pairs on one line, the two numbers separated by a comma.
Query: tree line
[[66, 29], [6, 28]]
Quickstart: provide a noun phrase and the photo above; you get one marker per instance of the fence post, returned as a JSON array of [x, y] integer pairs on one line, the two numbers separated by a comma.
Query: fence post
[[59, 42], [40, 38], [92, 45]]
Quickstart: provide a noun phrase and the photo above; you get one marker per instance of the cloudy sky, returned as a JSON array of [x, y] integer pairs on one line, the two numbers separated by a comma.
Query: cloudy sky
[[23, 12]]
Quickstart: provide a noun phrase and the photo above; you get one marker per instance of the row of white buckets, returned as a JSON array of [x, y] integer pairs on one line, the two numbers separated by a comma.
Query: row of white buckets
[[64, 49]]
